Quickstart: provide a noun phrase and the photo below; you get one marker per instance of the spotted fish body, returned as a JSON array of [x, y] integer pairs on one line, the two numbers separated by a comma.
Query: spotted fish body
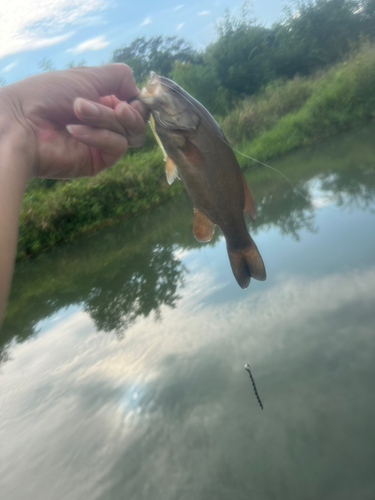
[[198, 153]]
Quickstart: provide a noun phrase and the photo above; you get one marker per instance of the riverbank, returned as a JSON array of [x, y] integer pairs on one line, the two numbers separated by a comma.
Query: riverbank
[[284, 116]]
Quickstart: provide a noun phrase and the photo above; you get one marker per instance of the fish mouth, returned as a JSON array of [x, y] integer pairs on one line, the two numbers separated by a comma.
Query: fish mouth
[[150, 90]]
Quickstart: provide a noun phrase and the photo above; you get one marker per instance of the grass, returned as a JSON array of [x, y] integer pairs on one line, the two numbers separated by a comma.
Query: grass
[[283, 116], [328, 103]]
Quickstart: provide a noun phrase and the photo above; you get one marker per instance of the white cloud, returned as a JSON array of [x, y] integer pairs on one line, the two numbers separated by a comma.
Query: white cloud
[[203, 13], [178, 7], [9, 67], [40, 23], [179, 26], [148, 20], [96, 43]]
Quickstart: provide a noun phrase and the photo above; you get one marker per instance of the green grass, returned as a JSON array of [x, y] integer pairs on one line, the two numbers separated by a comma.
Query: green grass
[[335, 101], [67, 209], [283, 116]]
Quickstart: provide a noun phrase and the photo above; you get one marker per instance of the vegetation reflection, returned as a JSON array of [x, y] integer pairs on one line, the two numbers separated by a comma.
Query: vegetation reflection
[[133, 270]]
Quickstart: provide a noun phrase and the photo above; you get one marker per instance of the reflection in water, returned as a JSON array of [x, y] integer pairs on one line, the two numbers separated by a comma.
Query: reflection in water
[[168, 413], [141, 286], [130, 270]]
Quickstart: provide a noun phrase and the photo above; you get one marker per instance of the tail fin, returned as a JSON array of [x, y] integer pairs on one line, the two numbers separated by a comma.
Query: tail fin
[[246, 263]]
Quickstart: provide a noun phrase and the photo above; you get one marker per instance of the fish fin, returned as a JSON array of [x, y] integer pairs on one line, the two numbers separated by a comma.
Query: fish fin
[[151, 122], [246, 263], [203, 228], [249, 209], [171, 170], [192, 154]]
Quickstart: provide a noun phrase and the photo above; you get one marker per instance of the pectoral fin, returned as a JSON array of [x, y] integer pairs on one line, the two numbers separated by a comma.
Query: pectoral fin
[[203, 228], [170, 170], [249, 208]]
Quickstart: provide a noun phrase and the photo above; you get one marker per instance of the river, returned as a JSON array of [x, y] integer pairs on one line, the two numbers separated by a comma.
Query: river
[[122, 353]]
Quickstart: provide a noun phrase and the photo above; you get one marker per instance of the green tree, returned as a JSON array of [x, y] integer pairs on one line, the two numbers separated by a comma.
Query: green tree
[[73, 64], [156, 54], [46, 65], [241, 54], [201, 81], [314, 34]]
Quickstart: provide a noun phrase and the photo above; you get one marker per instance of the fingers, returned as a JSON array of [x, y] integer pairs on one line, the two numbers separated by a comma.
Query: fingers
[[138, 106], [98, 116], [133, 122], [110, 144], [108, 79], [124, 119]]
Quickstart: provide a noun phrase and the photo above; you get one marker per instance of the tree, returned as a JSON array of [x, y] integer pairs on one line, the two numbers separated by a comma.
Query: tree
[[241, 54], [73, 64], [156, 54], [46, 65], [314, 34]]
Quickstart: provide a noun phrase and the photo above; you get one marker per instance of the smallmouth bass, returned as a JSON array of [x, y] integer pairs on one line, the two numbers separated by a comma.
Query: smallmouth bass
[[197, 152]]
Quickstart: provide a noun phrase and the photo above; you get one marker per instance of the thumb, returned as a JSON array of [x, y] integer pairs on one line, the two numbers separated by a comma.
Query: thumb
[[108, 79]]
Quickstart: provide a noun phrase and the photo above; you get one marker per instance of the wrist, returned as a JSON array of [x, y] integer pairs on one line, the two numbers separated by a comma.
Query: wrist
[[17, 141]]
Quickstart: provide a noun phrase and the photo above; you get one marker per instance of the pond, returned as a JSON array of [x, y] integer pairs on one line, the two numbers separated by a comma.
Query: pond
[[122, 353]]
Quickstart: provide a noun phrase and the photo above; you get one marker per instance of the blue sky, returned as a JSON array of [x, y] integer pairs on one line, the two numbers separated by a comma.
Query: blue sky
[[72, 30]]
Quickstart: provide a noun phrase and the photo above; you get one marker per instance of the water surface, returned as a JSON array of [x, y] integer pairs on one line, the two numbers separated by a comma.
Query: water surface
[[122, 354]]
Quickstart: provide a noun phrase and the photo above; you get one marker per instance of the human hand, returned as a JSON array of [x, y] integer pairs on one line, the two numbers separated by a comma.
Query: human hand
[[74, 123]]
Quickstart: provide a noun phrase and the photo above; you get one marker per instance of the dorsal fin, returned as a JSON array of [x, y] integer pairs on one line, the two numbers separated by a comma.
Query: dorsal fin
[[170, 170], [203, 228], [249, 208]]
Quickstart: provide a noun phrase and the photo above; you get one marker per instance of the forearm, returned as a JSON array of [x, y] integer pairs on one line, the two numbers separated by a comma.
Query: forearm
[[14, 172]]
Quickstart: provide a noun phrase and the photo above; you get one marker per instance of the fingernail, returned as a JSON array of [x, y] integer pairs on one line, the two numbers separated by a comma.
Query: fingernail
[[87, 108], [76, 129]]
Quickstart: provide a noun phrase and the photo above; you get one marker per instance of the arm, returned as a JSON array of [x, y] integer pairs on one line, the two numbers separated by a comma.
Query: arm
[[62, 124], [14, 169]]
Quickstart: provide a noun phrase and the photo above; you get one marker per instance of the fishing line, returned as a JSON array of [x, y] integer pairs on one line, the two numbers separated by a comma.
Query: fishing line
[[236, 150]]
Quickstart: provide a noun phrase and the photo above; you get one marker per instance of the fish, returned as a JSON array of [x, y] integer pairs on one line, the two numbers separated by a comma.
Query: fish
[[197, 152]]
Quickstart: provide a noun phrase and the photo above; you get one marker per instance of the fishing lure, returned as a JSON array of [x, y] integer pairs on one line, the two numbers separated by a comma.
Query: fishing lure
[[247, 368]]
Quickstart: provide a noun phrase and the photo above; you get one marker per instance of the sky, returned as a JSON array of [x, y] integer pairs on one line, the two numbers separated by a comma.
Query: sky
[[64, 31]]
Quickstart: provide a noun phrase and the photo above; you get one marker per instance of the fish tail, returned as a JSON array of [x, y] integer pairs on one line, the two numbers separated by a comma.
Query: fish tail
[[246, 263]]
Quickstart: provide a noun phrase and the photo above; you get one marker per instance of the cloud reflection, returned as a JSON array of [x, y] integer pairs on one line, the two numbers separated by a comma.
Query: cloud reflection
[[87, 402]]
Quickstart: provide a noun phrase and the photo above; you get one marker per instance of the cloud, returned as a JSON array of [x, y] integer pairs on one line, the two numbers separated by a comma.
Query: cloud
[[203, 13], [179, 26], [148, 20], [179, 7], [96, 43], [9, 67], [40, 23]]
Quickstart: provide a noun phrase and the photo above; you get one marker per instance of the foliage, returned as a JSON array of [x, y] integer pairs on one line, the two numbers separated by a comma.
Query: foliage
[[46, 65], [71, 208], [241, 54], [201, 81], [73, 64], [155, 54], [341, 98]]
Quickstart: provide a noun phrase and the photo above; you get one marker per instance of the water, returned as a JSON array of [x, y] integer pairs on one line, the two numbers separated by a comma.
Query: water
[[123, 353]]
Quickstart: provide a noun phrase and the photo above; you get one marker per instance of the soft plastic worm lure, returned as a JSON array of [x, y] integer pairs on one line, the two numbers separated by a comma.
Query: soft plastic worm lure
[[247, 368]]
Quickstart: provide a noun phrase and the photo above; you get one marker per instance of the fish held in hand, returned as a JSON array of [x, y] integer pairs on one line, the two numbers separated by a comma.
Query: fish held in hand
[[196, 151]]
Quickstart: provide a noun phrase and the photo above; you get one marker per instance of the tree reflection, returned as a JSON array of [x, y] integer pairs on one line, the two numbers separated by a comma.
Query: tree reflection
[[286, 210], [137, 290], [131, 270]]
